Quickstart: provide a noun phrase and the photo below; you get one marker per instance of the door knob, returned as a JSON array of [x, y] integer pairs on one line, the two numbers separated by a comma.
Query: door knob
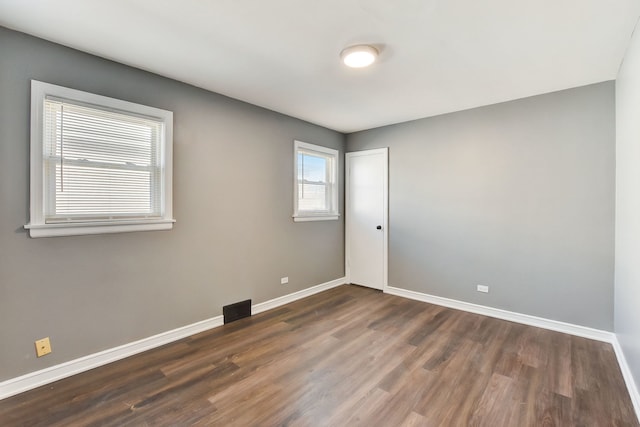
[[379, 227]]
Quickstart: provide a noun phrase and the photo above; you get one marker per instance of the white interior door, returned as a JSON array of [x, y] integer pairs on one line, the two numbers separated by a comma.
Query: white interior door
[[366, 217]]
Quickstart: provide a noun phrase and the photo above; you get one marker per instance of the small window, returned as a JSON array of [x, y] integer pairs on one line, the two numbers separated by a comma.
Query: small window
[[98, 164], [316, 182]]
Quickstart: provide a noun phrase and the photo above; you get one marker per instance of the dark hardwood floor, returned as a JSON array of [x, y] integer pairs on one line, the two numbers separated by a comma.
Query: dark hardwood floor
[[346, 357]]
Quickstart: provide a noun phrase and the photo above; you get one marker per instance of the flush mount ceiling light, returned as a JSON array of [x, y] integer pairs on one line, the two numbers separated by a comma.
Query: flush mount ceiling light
[[359, 56]]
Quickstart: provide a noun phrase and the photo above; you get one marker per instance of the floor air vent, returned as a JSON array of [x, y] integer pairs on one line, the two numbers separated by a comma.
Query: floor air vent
[[236, 311]]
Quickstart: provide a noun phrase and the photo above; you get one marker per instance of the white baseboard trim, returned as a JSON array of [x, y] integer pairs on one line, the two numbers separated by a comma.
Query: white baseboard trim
[[634, 393], [285, 299], [35, 379], [39, 378], [554, 325]]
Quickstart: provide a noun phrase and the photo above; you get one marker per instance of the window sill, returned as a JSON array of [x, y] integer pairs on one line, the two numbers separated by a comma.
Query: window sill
[[82, 228], [316, 218]]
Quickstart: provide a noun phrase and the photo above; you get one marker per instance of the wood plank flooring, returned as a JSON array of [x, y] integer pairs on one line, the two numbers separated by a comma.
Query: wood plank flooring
[[349, 356]]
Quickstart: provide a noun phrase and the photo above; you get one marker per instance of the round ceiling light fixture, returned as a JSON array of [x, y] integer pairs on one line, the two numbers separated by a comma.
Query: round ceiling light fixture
[[359, 56]]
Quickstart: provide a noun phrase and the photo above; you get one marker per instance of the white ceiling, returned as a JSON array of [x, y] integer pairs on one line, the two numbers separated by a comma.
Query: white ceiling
[[437, 56]]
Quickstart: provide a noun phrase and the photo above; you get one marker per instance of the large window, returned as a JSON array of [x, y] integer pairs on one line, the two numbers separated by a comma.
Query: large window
[[316, 182], [98, 164]]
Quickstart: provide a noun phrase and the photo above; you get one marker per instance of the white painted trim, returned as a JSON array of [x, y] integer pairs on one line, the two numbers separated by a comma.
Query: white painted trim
[[286, 299], [385, 221], [634, 393], [37, 226], [525, 319], [385, 247], [54, 373], [554, 325], [316, 218], [333, 182], [78, 229], [347, 228], [35, 379]]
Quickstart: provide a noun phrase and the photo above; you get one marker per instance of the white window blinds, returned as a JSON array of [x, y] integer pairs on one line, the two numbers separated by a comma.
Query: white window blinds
[[100, 164]]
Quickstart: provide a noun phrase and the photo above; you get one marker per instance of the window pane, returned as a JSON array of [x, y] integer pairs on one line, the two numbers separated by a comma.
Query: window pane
[[312, 197], [312, 168], [316, 179], [100, 164], [312, 182], [103, 192]]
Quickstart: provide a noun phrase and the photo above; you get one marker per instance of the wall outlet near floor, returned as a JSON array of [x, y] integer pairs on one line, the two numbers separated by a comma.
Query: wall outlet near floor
[[482, 288], [284, 280], [43, 347]]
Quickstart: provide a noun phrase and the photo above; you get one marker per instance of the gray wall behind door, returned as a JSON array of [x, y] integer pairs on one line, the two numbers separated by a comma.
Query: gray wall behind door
[[518, 196], [233, 200]]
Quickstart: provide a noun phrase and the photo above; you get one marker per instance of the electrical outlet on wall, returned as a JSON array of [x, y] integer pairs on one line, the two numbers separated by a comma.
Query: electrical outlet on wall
[[482, 288], [43, 347], [284, 280]]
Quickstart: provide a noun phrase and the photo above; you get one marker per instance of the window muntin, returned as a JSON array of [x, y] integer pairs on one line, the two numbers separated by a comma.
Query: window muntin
[[316, 176], [97, 162]]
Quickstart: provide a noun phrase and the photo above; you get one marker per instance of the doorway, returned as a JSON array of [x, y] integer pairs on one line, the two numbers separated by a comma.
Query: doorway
[[366, 217]]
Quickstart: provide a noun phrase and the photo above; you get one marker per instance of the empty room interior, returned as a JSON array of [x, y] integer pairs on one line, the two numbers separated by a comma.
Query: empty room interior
[[337, 213]]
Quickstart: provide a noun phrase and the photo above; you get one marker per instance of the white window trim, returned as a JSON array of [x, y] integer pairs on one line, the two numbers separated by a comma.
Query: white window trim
[[37, 226], [316, 216]]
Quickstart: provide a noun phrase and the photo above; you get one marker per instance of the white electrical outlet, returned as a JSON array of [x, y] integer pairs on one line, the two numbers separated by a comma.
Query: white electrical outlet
[[284, 280], [482, 288]]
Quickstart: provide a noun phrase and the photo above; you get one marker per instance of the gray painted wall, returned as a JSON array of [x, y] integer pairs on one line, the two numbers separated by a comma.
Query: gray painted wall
[[627, 268], [518, 196], [234, 237]]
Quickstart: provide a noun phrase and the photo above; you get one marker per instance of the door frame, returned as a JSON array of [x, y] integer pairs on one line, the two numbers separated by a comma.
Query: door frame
[[385, 221]]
